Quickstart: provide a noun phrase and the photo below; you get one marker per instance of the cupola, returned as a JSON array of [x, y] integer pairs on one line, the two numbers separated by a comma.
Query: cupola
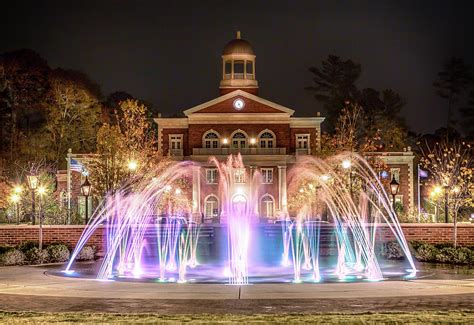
[[238, 67]]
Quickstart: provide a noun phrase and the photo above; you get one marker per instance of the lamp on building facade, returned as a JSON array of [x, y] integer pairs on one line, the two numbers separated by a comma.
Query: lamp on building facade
[[32, 185], [394, 186], [86, 191]]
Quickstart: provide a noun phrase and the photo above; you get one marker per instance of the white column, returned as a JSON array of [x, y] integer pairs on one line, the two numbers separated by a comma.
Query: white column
[[197, 193], [282, 199]]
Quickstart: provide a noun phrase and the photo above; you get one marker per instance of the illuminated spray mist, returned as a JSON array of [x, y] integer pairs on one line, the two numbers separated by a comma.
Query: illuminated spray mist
[[156, 215]]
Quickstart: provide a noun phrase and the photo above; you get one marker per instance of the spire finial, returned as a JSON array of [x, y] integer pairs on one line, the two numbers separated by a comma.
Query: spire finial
[[238, 34]]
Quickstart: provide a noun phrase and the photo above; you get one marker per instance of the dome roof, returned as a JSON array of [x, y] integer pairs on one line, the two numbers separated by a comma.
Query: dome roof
[[238, 46]]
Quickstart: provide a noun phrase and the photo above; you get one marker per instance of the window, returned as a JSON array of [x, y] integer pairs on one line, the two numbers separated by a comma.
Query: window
[[249, 69], [267, 175], [239, 175], [239, 69], [395, 173], [211, 140], [176, 143], [211, 176], [267, 206], [302, 144], [211, 207], [239, 140], [267, 139], [228, 67]]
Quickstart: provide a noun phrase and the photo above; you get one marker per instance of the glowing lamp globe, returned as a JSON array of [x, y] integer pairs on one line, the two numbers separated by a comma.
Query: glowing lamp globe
[[32, 181], [86, 187], [394, 185]]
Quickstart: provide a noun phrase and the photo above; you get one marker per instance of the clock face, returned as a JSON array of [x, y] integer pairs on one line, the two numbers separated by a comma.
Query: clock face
[[239, 104]]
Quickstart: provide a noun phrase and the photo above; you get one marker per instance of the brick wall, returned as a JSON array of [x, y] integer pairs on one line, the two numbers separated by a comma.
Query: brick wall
[[196, 132], [69, 235], [431, 233]]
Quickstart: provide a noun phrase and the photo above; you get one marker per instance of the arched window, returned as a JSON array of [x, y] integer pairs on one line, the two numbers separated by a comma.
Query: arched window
[[211, 208], [267, 139], [210, 139], [239, 140], [267, 206], [239, 203]]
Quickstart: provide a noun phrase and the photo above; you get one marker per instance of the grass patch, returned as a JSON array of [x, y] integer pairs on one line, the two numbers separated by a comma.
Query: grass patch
[[424, 317]]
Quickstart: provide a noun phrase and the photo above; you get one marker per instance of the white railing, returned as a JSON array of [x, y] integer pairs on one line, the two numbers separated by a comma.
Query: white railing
[[234, 151], [302, 151], [176, 152]]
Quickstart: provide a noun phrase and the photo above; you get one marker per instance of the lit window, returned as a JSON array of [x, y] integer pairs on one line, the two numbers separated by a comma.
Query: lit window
[[239, 140], [267, 175], [211, 140], [176, 144], [302, 144], [211, 207], [211, 176], [267, 140], [239, 175], [267, 206]]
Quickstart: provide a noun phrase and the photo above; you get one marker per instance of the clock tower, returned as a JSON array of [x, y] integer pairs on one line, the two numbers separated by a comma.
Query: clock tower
[[238, 67]]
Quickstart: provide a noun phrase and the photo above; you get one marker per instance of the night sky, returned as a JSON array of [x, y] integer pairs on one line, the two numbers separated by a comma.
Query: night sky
[[168, 53]]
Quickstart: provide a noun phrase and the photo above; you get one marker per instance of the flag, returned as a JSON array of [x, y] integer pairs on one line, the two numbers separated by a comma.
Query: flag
[[422, 173], [76, 166]]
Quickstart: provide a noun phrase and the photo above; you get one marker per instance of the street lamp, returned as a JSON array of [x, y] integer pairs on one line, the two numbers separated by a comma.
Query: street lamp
[[132, 165], [394, 185], [86, 191], [41, 192], [32, 185]]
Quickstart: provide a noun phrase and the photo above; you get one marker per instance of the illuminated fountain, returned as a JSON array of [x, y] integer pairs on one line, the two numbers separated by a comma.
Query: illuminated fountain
[[152, 234]]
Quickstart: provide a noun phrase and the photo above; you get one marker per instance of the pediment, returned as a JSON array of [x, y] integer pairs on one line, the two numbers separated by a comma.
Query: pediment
[[253, 104]]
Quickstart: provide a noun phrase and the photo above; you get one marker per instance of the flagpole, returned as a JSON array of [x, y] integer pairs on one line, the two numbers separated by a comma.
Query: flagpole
[[419, 196], [68, 184]]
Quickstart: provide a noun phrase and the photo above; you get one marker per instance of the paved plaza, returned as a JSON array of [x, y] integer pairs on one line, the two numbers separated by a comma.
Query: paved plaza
[[36, 289]]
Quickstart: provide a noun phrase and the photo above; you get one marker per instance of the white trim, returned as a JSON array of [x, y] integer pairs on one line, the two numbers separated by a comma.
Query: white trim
[[171, 122], [267, 169], [239, 131], [306, 122], [236, 93], [261, 202], [203, 139], [218, 204], [266, 130]]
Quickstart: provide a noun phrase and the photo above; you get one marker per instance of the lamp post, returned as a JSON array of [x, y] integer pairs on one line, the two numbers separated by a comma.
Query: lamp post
[[394, 185], [41, 192], [86, 191], [32, 185]]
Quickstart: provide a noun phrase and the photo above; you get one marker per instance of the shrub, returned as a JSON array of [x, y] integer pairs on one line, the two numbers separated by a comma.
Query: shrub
[[58, 253], [446, 255], [86, 254], [12, 257], [415, 244], [4, 249], [392, 251], [37, 256], [464, 255], [27, 245], [426, 253]]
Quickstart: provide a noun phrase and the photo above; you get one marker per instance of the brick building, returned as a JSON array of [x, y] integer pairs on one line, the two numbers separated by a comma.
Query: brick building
[[267, 135]]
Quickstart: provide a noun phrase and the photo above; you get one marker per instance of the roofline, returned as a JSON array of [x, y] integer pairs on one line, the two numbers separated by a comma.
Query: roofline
[[242, 93]]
